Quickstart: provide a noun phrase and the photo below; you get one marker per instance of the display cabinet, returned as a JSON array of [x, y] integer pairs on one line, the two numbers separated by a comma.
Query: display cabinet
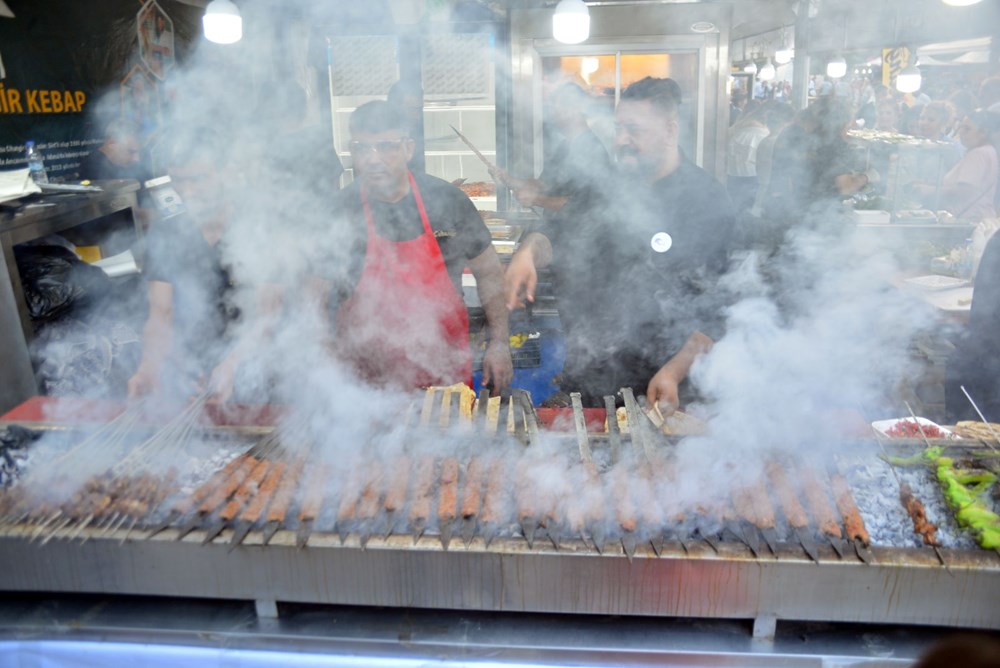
[[901, 162]]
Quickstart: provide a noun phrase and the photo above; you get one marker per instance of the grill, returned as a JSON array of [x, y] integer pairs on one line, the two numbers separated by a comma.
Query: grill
[[483, 526], [525, 353]]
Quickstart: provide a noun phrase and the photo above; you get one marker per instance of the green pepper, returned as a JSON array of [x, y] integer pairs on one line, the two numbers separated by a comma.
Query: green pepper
[[969, 477], [977, 516], [970, 511], [990, 538], [914, 460], [956, 495]]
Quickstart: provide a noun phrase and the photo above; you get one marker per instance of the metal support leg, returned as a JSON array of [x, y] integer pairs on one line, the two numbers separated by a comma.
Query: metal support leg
[[268, 609], [764, 627]]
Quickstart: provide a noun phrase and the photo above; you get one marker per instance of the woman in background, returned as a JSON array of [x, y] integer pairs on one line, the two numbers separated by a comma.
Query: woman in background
[[969, 188]]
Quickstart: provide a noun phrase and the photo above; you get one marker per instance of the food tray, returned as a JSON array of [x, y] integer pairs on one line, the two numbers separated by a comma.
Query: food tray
[[872, 216], [922, 216], [936, 282], [500, 230], [885, 426]]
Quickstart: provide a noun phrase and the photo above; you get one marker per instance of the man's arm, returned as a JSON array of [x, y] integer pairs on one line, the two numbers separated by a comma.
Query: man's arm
[[533, 194], [269, 299], [497, 366], [529, 192], [521, 278], [157, 339], [662, 389], [317, 297]]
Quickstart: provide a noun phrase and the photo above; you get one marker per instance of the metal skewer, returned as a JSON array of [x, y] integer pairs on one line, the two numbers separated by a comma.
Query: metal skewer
[[899, 483], [981, 416], [472, 148]]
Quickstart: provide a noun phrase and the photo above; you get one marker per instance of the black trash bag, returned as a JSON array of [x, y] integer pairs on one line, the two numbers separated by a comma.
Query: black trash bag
[[14, 443], [91, 358], [56, 281]]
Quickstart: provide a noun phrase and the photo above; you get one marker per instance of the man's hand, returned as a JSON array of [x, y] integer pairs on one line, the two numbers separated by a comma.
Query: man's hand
[[662, 391], [220, 383], [520, 280], [498, 369], [663, 387], [528, 196], [146, 380], [848, 184]]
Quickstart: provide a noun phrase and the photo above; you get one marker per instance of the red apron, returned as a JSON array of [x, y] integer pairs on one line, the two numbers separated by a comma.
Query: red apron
[[405, 325]]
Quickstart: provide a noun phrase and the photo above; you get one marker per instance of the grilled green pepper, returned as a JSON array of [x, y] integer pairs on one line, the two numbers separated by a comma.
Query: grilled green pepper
[[970, 511]]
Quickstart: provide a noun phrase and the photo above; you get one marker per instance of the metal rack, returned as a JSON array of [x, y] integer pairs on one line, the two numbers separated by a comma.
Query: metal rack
[[900, 162]]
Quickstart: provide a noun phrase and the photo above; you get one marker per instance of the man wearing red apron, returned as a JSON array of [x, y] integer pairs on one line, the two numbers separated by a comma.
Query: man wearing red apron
[[404, 323]]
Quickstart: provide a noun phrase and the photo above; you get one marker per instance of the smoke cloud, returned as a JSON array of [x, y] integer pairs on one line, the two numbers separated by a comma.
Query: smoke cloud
[[811, 335]]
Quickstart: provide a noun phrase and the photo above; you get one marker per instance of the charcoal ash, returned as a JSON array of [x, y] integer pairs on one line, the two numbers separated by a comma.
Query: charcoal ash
[[195, 468], [876, 491], [877, 495], [927, 488]]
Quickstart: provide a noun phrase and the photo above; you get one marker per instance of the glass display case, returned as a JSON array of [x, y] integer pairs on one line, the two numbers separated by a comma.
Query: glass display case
[[892, 214], [902, 162]]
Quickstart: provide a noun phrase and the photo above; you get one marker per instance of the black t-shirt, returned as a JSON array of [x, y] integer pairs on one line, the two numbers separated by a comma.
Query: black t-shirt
[[581, 162], [203, 292], [454, 219], [626, 308], [975, 364]]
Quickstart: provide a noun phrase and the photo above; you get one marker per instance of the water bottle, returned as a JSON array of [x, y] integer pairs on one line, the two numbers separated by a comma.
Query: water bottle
[[36, 167]]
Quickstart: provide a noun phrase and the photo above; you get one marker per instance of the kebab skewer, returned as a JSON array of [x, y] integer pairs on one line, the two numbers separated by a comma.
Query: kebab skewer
[[278, 510], [256, 508], [819, 505], [794, 512], [472, 498]]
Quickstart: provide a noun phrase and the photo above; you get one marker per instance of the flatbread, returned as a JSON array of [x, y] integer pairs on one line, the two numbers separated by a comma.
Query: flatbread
[[678, 424], [978, 430]]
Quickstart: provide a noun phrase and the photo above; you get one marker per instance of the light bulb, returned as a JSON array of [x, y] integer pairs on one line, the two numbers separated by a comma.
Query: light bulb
[[784, 56], [222, 22], [571, 22], [836, 68], [767, 72], [961, 3], [750, 68], [909, 80]]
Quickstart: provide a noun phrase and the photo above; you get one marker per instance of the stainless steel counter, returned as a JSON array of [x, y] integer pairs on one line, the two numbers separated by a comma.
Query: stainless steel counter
[[903, 586], [163, 632]]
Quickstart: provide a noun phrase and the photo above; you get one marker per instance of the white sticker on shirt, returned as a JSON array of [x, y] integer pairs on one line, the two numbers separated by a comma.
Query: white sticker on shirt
[[661, 242]]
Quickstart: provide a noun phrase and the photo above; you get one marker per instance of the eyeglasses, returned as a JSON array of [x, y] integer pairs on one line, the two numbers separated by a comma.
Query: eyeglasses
[[386, 147]]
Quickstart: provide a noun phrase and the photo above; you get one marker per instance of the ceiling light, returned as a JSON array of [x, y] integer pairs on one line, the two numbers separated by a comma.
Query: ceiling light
[[570, 22], [767, 72], [703, 26], [784, 56], [836, 68], [750, 68], [961, 3], [909, 80], [222, 22]]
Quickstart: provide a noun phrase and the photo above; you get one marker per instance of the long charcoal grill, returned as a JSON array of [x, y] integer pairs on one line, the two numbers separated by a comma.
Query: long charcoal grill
[[426, 553]]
